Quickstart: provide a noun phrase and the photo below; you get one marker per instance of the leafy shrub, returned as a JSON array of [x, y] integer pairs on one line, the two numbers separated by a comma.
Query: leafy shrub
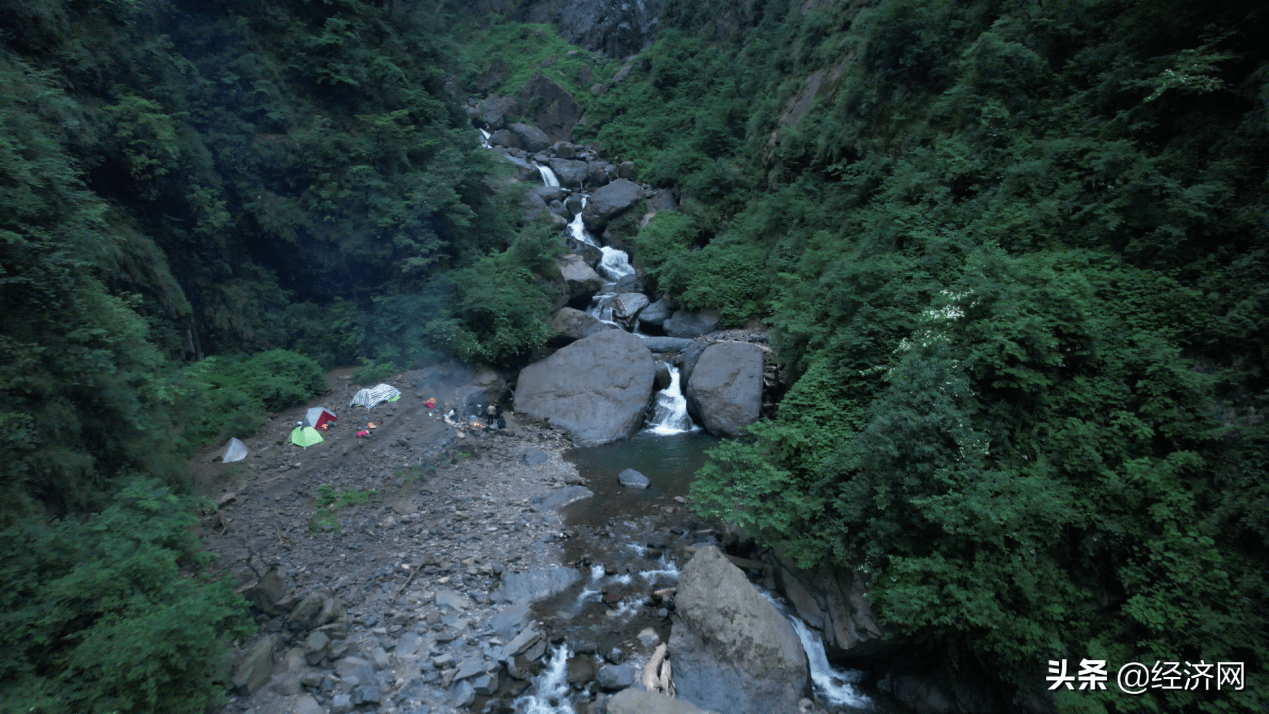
[[234, 395], [371, 372], [102, 615]]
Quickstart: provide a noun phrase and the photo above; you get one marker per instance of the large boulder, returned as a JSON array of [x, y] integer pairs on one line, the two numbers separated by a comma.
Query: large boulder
[[732, 651], [551, 107], [662, 200], [613, 27], [571, 325], [597, 389], [494, 111], [572, 174], [657, 313], [638, 701], [692, 323], [599, 173], [834, 601], [724, 392], [626, 306], [505, 139], [532, 206], [524, 169], [580, 280], [593, 255], [532, 139], [688, 358], [256, 666], [609, 202]]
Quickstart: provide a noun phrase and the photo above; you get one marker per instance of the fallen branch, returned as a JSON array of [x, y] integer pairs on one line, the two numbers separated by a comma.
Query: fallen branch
[[407, 582]]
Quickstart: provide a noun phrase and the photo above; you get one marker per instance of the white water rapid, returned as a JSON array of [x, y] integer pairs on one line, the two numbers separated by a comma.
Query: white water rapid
[[616, 264], [833, 686], [670, 414], [550, 692], [484, 138], [548, 176]]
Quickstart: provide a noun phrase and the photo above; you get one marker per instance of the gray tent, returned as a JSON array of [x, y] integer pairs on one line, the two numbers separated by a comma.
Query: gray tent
[[235, 451]]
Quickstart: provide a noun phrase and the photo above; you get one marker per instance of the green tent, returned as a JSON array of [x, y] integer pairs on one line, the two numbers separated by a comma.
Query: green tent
[[305, 436]]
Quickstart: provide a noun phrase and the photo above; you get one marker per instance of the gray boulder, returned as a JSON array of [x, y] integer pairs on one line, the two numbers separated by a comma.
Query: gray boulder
[[609, 202], [256, 666], [834, 601], [553, 107], [572, 325], [562, 497], [688, 359], [532, 139], [532, 206], [732, 651], [596, 389], [524, 169], [550, 193], [661, 345], [633, 479], [494, 111], [591, 254], [724, 392], [536, 585], [572, 174], [504, 138], [662, 200], [565, 150], [616, 676], [657, 313], [599, 173], [627, 170], [638, 701], [691, 323], [629, 284], [626, 307], [664, 378], [580, 281]]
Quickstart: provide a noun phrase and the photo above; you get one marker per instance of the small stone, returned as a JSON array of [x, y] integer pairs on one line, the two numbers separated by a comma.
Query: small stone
[[463, 696], [341, 704], [366, 694], [648, 637]]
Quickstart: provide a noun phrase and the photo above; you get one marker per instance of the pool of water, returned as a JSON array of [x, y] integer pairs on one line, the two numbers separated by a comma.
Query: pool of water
[[669, 462]]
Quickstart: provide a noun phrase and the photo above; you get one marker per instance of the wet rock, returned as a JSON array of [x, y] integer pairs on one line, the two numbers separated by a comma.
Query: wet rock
[[657, 313], [732, 651], [629, 284], [833, 601], [688, 359], [580, 281], [616, 676], [581, 669], [572, 325], [532, 206], [562, 497], [591, 254], [638, 701], [632, 479], [596, 389], [256, 666], [550, 193], [724, 392], [662, 345], [664, 378], [521, 642], [626, 306], [507, 621], [609, 202], [504, 138], [572, 174], [532, 139], [536, 585], [648, 637], [691, 323]]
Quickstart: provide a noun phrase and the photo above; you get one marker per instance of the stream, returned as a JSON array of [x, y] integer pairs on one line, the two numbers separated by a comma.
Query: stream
[[630, 543]]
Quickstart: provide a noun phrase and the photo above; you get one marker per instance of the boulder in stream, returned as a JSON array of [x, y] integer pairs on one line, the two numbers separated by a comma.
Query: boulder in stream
[[572, 325], [724, 392], [732, 651], [692, 323], [494, 109], [532, 138], [633, 479], [596, 389], [570, 173], [610, 201], [580, 280]]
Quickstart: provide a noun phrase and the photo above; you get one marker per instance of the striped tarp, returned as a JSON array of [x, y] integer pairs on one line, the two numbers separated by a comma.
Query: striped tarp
[[369, 398]]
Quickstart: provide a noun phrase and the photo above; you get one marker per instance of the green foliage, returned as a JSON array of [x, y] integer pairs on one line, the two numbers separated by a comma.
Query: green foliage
[[102, 615], [374, 372], [329, 502], [233, 396]]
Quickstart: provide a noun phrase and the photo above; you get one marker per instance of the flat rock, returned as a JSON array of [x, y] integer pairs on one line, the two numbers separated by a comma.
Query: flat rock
[[638, 701], [562, 497], [596, 389], [509, 620], [535, 585], [662, 345], [632, 479], [616, 676], [452, 600]]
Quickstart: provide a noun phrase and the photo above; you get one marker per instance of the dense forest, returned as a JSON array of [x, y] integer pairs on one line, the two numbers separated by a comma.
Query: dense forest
[[1012, 255]]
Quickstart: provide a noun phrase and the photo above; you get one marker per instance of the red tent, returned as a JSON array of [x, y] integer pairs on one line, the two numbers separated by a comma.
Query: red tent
[[317, 416]]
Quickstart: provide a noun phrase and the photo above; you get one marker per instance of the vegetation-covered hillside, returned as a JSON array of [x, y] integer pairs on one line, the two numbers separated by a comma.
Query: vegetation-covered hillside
[[1014, 255]]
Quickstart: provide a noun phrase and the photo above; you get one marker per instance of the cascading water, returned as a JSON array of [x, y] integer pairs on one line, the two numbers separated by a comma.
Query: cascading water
[[484, 138], [548, 176], [550, 693], [670, 414], [616, 264], [833, 686]]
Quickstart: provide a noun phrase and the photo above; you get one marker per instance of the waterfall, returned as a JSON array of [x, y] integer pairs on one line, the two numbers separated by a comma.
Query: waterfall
[[484, 138], [616, 264], [550, 691], [670, 414], [834, 686], [577, 228], [548, 176]]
